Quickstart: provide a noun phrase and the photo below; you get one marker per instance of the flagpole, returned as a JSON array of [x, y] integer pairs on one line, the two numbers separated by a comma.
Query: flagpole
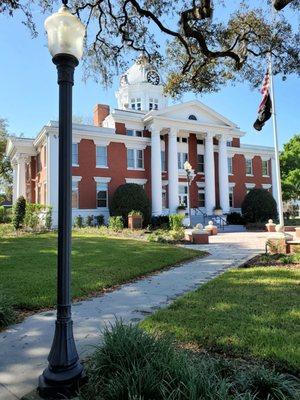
[[277, 163]]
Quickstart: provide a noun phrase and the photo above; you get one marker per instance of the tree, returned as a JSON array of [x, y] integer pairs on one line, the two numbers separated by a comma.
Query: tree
[[211, 44], [5, 166], [129, 197], [290, 169], [259, 206]]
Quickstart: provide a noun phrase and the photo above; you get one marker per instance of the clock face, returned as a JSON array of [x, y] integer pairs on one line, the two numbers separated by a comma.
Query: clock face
[[153, 77]]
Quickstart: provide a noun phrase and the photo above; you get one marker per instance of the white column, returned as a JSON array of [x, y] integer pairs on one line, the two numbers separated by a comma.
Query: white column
[[21, 185], [223, 174], [15, 178], [156, 180], [209, 167], [274, 180], [52, 176], [173, 171]]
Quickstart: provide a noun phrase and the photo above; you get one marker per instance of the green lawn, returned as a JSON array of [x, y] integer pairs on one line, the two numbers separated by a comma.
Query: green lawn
[[28, 265], [250, 312]]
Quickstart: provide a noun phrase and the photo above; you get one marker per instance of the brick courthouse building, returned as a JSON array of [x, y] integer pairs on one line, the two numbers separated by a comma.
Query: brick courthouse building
[[145, 141]]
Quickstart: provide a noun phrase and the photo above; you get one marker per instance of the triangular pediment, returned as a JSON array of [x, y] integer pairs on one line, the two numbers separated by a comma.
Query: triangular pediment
[[200, 111]]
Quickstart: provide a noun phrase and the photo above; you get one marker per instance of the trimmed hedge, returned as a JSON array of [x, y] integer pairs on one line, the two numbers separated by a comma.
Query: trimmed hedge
[[259, 206], [130, 197], [235, 218], [19, 212]]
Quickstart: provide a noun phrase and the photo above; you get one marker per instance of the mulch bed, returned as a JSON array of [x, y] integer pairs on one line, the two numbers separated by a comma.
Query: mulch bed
[[258, 261]]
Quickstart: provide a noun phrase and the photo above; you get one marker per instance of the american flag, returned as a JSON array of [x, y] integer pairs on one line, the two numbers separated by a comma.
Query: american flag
[[265, 107]]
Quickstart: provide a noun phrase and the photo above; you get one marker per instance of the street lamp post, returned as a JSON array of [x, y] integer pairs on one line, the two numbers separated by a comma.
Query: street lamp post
[[190, 174], [64, 373]]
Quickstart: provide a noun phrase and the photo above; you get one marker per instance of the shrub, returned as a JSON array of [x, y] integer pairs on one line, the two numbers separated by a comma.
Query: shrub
[[259, 206], [32, 218], [19, 212], [130, 197], [177, 234], [134, 213], [133, 365], [7, 314], [235, 218], [176, 221], [99, 220], [116, 223], [2, 215], [48, 218], [78, 221], [160, 222], [89, 220]]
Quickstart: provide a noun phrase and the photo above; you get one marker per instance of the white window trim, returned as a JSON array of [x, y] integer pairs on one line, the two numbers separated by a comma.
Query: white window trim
[[268, 169], [266, 186], [75, 165], [231, 158], [76, 178], [102, 179], [198, 172], [136, 180], [250, 185], [249, 159]]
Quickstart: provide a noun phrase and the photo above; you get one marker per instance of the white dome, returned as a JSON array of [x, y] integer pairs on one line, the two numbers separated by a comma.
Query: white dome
[[138, 72]]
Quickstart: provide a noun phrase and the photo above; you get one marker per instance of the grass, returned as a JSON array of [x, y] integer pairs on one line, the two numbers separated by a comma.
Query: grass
[[28, 265], [252, 313], [132, 365]]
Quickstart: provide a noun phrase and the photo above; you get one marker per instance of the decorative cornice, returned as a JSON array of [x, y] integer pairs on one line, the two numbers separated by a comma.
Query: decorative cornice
[[102, 179]]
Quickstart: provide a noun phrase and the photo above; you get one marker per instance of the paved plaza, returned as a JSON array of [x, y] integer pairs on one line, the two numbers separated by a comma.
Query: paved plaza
[[24, 347]]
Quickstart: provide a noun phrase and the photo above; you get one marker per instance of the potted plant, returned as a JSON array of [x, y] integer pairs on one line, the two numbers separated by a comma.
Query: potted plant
[[181, 209], [135, 220], [218, 210]]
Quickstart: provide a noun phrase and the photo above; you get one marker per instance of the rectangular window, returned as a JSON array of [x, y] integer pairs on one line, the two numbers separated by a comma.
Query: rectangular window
[[138, 133], [183, 194], [229, 143], [38, 162], [182, 158], [74, 194], [135, 159], [136, 104], [163, 160], [164, 198], [249, 167], [201, 198], [184, 140], [231, 197], [75, 154], [230, 170], [101, 156], [132, 132], [129, 132], [200, 141], [45, 155], [265, 168], [200, 163], [102, 195], [153, 104]]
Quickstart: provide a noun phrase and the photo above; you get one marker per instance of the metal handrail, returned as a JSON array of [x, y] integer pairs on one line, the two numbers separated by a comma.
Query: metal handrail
[[218, 219]]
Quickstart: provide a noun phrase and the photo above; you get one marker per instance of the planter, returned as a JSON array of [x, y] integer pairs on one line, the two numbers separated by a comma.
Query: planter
[[135, 221], [218, 211]]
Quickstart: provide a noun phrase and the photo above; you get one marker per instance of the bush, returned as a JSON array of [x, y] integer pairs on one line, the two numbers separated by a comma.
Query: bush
[[235, 218], [2, 215], [116, 223], [48, 218], [130, 197], [133, 365], [259, 206], [78, 221], [99, 220], [32, 219], [19, 212], [89, 220], [176, 221], [160, 222], [7, 314]]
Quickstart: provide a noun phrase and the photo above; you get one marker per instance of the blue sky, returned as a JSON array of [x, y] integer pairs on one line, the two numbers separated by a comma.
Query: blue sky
[[28, 90]]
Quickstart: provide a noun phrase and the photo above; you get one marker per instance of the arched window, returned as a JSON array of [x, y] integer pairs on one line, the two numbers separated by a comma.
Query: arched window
[[193, 117]]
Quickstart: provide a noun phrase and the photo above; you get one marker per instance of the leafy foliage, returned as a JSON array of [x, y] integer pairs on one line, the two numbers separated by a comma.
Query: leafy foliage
[[99, 220], [78, 221], [133, 365], [235, 218], [290, 169], [32, 217], [130, 197], [160, 221], [19, 212], [259, 206], [176, 221], [116, 223], [5, 166], [210, 44], [48, 218]]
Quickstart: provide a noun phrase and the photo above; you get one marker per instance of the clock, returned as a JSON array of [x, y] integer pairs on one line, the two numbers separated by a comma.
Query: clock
[[153, 77]]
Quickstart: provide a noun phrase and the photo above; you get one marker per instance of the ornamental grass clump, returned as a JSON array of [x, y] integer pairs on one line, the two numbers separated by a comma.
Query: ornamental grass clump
[[133, 365], [7, 314]]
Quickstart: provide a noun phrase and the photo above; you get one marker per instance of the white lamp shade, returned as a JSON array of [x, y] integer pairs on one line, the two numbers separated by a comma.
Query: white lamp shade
[[65, 33], [187, 166]]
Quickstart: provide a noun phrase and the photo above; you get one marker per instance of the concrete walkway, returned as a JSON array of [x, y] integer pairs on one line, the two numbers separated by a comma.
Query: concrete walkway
[[24, 347]]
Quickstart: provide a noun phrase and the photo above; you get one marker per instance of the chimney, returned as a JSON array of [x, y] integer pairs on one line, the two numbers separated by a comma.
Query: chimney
[[101, 111]]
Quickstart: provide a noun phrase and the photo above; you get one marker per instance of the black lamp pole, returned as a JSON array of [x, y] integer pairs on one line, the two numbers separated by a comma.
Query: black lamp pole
[[64, 373]]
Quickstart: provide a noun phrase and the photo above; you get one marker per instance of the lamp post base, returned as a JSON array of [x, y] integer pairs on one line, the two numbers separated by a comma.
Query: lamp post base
[[65, 384]]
